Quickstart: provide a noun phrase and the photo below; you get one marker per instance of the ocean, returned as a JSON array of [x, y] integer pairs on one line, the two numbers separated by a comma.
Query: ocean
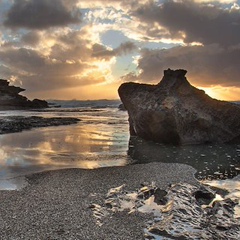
[[100, 139]]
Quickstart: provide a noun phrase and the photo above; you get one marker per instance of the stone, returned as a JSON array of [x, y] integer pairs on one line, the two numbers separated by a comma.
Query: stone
[[10, 99], [121, 107], [12, 124], [175, 112], [204, 196]]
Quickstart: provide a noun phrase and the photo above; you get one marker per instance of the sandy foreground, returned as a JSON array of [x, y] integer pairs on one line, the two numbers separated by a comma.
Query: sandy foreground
[[55, 204]]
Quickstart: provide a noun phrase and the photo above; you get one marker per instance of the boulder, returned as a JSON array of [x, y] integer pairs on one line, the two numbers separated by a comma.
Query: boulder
[[175, 112], [10, 99]]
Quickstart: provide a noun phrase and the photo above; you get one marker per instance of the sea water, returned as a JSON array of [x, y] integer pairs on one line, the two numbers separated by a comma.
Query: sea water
[[100, 139]]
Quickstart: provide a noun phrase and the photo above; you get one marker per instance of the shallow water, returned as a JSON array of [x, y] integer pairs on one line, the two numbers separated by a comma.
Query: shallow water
[[101, 139], [217, 161]]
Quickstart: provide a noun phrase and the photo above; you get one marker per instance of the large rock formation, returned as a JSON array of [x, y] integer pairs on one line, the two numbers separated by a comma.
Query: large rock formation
[[11, 100], [175, 112]]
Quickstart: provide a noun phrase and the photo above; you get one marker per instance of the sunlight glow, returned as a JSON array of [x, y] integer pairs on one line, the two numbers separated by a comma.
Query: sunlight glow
[[223, 93]]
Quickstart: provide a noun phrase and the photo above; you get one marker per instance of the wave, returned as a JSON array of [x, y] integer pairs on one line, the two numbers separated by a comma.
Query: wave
[[104, 103]]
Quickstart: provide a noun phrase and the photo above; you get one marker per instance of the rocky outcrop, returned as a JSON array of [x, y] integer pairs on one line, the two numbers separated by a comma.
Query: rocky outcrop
[[182, 211], [11, 100], [12, 124], [175, 112]]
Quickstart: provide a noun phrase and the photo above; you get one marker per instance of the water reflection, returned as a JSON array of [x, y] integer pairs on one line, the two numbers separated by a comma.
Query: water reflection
[[210, 161], [101, 140], [82, 146]]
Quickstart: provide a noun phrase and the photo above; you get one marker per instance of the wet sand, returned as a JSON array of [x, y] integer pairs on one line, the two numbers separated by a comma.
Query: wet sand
[[55, 204]]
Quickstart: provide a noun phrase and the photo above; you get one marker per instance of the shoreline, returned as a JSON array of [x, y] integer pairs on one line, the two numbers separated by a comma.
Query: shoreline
[[87, 204], [63, 204], [55, 204]]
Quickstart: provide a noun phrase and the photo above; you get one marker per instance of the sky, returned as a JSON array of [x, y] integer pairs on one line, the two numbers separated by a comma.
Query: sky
[[84, 49]]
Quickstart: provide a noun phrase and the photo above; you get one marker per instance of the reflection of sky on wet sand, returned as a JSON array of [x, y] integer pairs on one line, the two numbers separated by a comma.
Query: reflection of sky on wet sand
[[83, 146]]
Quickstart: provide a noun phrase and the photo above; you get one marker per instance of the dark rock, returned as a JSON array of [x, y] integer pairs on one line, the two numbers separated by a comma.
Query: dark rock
[[175, 112], [11, 100], [122, 107], [204, 196], [37, 103], [181, 217], [160, 197], [19, 123]]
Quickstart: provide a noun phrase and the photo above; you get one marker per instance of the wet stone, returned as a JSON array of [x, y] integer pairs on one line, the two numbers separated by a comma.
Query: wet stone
[[160, 198], [182, 211], [204, 196]]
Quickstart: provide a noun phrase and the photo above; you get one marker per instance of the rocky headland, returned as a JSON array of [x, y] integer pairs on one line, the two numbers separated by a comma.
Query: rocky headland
[[10, 99], [175, 112]]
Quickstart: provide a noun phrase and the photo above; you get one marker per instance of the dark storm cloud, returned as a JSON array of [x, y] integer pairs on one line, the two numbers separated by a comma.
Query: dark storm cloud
[[40, 14], [100, 51], [200, 22], [206, 65]]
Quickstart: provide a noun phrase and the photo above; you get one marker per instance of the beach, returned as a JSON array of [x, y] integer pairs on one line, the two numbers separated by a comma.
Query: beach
[[56, 181], [55, 204]]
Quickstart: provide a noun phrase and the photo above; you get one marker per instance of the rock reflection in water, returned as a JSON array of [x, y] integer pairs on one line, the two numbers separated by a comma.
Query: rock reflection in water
[[220, 161]]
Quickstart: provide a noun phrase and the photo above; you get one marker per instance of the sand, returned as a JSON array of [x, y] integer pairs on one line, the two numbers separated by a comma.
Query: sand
[[55, 204]]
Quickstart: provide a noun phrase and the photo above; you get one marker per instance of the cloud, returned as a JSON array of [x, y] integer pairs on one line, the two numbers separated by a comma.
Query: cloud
[[31, 38], [192, 21], [212, 1], [206, 65], [38, 72], [102, 52], [51, 60], [54, 60], [40, 14], [214, 62], [126, 48]]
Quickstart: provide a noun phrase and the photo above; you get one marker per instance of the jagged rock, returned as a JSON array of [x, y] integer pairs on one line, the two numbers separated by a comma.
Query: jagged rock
[[176, 213], [175, 112], [11, 100]]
